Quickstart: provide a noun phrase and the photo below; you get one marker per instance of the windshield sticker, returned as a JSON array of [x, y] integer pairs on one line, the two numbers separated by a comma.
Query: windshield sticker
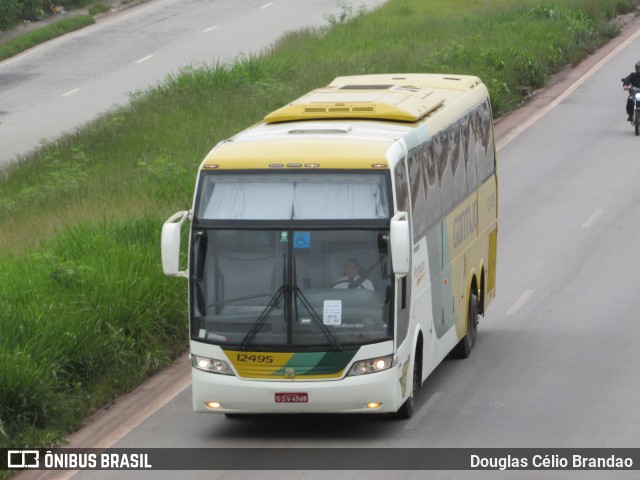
[[332, 312], [301, 239]]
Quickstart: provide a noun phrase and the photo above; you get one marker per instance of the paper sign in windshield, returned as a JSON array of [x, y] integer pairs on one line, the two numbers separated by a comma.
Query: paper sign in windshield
[[332, 312]]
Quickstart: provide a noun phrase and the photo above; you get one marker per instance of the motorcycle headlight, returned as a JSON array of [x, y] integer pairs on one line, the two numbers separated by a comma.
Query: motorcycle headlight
[[211, 365], [372, 365]]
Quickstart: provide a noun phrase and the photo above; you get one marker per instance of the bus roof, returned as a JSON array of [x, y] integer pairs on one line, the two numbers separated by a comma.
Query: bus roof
[[355, 144], [405, 98], [350, 123]]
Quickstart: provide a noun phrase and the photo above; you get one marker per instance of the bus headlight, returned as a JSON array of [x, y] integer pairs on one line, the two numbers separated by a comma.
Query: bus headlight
[[372, 365], [211, 365]]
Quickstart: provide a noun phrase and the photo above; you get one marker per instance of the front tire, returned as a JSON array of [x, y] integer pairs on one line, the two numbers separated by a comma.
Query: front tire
[[636, 122], [409, 406], [464, 347]]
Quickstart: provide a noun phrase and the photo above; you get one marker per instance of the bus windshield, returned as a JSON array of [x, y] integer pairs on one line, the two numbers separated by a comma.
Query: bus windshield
[[290, 288]]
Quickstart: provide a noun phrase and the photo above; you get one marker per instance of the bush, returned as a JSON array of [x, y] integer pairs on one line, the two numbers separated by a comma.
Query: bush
[[10, 11], [14, 11], [34, 9]]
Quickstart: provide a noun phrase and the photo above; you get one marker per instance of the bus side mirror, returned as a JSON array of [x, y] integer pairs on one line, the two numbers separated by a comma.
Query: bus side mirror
[[170, 245], [400, 243]]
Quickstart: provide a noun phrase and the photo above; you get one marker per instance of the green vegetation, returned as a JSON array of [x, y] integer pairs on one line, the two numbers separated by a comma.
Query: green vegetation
[[98, 8], [14, 11], [41, 35], [86, 312], [82, 320]]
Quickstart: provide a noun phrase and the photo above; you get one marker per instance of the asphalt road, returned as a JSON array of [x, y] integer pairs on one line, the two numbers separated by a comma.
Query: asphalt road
[[556, 363], [61, 85]]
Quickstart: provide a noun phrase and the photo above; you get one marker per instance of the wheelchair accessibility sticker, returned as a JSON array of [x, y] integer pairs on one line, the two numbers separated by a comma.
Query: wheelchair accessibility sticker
[[301, 239]]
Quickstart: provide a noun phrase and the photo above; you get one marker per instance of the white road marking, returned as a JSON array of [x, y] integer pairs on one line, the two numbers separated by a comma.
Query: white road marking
[[206, 30], [71, 92], [420, 414], [592, 219], [521, 301], [266, 5], [144, 59]]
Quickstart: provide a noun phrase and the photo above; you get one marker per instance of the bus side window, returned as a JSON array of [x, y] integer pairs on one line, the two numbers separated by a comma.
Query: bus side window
[[417, 175], [469, 153], [456, 156], [402, 189], [482, 140], [401, 285], [402, 312], [445, 173], [433, 188]]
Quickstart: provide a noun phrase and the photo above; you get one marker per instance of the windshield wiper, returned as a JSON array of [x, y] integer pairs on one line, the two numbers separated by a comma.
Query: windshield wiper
[[297, 292], [239, 299], [273, 303], [316, 318], [257, 325]]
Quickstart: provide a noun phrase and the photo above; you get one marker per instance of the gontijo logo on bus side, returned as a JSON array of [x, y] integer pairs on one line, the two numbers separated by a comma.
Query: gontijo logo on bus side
[[287, 365], [465, 223]]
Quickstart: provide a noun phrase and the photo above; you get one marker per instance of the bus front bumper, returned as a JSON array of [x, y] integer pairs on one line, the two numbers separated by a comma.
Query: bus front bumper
[[372, 393]]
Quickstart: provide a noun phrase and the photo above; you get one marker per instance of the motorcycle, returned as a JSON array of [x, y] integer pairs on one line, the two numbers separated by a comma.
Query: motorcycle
[[634, 93]]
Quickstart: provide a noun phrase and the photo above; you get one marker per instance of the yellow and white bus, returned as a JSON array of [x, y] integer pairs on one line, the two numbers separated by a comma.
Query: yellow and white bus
[[340, 249]]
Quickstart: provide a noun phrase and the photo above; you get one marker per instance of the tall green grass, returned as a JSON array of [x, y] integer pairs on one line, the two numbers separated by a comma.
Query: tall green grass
[[82, 320], [85, 310]]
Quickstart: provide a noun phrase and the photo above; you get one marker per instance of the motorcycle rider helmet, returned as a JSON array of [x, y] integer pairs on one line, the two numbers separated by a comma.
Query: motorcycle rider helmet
[[638, 67]]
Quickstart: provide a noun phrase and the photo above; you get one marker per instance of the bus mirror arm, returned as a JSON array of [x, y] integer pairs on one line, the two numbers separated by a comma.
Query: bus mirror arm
[[400, 243], [170, 244]]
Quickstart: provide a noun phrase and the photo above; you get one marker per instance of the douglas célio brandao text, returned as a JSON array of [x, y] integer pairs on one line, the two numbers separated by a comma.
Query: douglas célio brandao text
[[550, 462]]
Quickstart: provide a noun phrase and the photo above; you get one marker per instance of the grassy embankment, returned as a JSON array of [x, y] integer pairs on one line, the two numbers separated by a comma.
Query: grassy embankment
[[85, 310]]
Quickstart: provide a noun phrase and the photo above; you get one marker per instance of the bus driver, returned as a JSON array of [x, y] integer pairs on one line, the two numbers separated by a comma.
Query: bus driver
[[352, 277]]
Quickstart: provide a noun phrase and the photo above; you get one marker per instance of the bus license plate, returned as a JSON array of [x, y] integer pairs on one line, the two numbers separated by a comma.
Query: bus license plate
[[295, 397]]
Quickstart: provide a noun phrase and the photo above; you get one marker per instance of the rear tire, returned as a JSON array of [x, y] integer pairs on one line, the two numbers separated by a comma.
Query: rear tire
[[464, 347]]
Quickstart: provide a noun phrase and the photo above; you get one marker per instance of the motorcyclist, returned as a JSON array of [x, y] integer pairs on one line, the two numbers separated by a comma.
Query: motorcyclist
[[631, 80]]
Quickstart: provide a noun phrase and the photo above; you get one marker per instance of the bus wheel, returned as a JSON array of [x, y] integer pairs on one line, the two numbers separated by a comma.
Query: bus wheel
[[464, 347], [408, 407]]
